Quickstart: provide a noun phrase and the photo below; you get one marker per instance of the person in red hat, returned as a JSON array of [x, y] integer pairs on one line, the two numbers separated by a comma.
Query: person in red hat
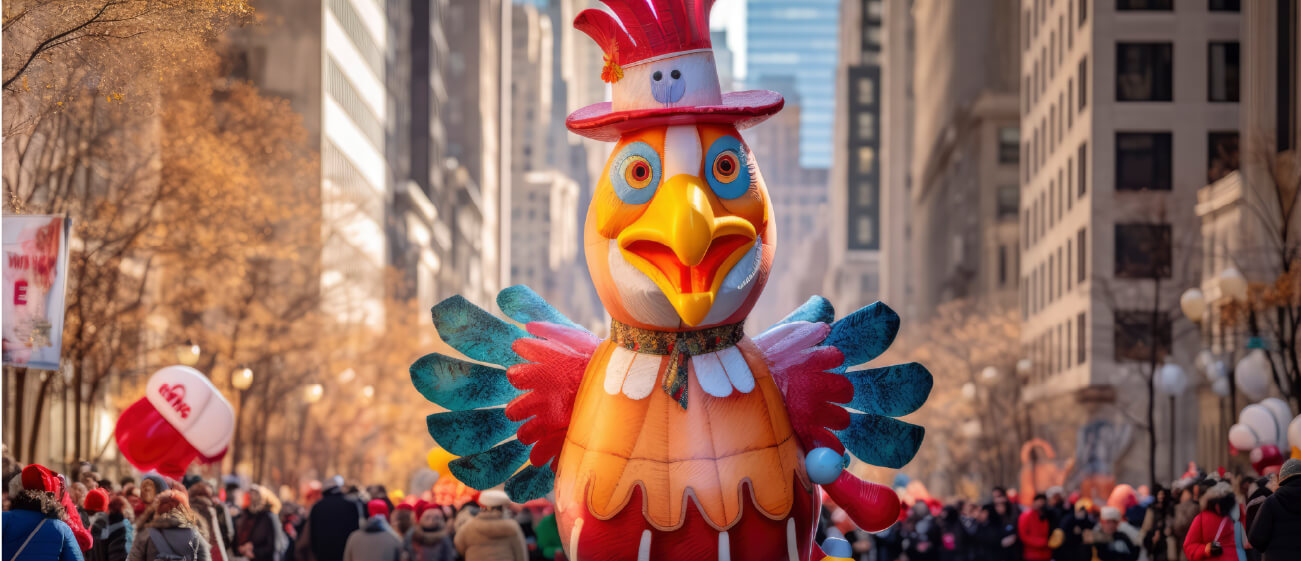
[[375, 540], [36, 525], [37, 477], [96, 505], [404, 518]]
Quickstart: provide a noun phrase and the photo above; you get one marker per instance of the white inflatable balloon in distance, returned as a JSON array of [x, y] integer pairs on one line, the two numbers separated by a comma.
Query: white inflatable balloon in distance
[[1253, 374], [1261, 421], [1220, 386], [1171, 380], [1282, 416], [1294, 432], [1205, 361], [1241, 438]]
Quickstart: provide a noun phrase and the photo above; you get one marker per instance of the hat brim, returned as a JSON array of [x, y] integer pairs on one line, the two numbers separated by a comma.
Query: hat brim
[[740, 109]]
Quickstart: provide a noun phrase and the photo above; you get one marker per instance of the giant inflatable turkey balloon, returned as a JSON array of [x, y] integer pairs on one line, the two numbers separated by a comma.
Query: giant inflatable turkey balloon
[[679, 436], [181, 418], [1262, 431]]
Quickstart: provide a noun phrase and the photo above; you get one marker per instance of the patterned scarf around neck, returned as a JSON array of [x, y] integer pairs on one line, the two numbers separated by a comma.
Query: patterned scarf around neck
[[678, 346]]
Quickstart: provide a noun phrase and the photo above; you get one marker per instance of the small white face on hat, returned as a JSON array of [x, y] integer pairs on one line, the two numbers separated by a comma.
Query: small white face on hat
[[684, 79]]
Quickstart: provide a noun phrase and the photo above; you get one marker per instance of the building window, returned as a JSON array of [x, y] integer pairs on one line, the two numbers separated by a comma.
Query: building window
[[1066, 192], [1139, 335], [1070, 102], [1009, 141], [1052, 54], [1026, 32], [1143, 251], [1058, 287], [1052, 203], [1082, 334], [1008, 201], [1084, 168], [866, 91], [1143, 161], [1025, 160], [1052, 127], [1081, 263], [1002, 265], [1222, 157], [1070, 29], [866, 126], [1066, 356], [1084, 11], [1222, 72], [1052, 280], [1070, 177], [1070, 259], [1144, 71], [1225, 5], [1084, 77], [866, 160], [1025, 228], [1144, 5]]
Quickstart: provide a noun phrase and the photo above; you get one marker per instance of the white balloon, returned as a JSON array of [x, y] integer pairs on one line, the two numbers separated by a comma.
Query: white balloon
[[1242, 438], [1193, 304], [193, 406], [1282, 415], [1261, 422], [1294, 432], [1205, 361], [1253, 374], [1170, 379], [969, 390], [1219, 370], [1220, 386], [1233, 284]]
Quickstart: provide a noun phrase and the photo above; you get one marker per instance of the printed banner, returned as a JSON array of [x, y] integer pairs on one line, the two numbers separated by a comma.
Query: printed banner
[[35, 278]]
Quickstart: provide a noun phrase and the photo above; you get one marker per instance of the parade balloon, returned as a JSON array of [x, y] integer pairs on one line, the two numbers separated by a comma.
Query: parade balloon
[[1171, 380], [1262, 423], [681, 435], [438, 458], [1242, 438], [1282, 413], [181, 418], [1294, 436], [1253, 375]]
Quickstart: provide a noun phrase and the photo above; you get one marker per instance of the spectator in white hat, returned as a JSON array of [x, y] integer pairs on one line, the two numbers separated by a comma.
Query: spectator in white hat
[[1111, 544], [492, 536]]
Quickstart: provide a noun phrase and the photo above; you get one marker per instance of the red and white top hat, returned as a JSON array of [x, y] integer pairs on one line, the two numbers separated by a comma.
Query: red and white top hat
[[661, 69]]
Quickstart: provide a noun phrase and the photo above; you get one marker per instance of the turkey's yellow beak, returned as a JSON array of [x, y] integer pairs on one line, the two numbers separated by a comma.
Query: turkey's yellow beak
[[685, 247]]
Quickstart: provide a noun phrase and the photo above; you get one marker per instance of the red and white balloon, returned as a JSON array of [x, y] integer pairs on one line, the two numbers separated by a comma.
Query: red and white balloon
[[181, 418]]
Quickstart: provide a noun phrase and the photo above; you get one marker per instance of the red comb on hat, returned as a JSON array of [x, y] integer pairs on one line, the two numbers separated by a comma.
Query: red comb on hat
[[661, 70]]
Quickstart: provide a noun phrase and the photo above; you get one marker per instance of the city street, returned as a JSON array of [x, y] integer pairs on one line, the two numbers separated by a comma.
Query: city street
[[623, 280]]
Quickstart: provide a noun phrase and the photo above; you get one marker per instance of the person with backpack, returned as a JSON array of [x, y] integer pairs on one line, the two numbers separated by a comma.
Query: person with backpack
[[216, 519], [114, 534], [1276, 531], [34, 529], [173, 534]]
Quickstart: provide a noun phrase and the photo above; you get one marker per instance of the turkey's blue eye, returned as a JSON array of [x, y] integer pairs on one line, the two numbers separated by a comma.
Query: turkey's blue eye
[[635, 173], [729, 167]]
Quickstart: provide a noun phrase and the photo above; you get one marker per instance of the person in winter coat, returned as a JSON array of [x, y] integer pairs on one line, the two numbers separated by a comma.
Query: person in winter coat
[[1189, 507], [257, 531], [1276, 531], [953, 536], [490, 535], [150, 486], [1157, 529], [174, 531], [921, 534], [986, 541], [1263, 489], [114, 534], [216, 519], [1077, 529], [1109, 542], [1033, 529], [34, 530], [375, 540], [430, 539], [329, 523], [1216, 534], [37, 477], [404, 518]]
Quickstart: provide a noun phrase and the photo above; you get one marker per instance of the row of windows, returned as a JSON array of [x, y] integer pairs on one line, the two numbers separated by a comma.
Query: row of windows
[[1052, 204], [342, 90], [1038, 14], [1056, 276], [1145, 71], [361, 38], [1059, 348], [1168, 5], [1060, 119]]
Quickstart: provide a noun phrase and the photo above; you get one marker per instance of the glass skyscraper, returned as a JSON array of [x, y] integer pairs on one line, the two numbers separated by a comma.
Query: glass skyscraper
[[798, 39]]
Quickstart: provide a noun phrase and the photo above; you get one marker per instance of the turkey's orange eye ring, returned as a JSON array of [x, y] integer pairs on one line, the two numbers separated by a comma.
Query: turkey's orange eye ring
[[637, 172], [727, 167]]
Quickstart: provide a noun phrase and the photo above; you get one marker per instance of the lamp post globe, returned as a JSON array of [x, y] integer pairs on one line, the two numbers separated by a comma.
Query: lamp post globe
[[242, 379], [1193, 304]]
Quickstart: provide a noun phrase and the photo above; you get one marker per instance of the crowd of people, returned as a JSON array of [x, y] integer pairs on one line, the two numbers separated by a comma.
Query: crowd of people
[[48, 516], [1199, 518]]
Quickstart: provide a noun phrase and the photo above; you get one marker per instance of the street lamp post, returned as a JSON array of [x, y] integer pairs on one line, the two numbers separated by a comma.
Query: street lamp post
[[241, 380]]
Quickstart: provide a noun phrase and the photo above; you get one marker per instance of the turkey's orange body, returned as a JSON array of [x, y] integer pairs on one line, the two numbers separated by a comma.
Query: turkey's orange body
[[725, 475]]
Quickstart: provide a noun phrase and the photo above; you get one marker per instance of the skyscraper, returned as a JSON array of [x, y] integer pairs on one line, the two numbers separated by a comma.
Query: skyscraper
[[798, 39]]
